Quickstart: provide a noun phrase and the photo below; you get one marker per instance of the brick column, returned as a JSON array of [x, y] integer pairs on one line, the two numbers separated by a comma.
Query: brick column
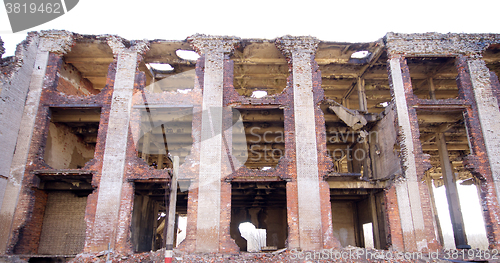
[[407, 186], [481, 120], [12, 98], [50, 41], [110, 187], [306, 184], [489, 115], [210, 188]]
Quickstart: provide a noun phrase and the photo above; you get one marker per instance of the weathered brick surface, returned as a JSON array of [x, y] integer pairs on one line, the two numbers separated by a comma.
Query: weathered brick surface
[[286, 168], [232, 98], [29, 235], [226, 244], [477, 162], [418, 235], [393, 222], [14, 83], [189, 243], [323, 256], [495, 85], [59, 92], [28, 201], [421, 160]]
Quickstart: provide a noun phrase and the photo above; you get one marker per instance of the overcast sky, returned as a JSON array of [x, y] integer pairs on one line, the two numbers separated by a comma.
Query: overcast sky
[[343, 21]]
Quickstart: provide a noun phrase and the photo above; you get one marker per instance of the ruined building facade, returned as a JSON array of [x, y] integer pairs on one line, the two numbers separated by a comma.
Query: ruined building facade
[[307, 139]]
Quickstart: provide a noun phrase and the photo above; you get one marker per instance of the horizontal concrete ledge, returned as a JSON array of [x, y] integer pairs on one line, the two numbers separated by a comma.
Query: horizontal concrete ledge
[[64, 172], [256, 179], [350, 184], [160, 106], [150, 180]]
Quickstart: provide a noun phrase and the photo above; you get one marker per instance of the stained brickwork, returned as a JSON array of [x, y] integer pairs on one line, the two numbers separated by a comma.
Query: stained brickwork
[[477, 161], [421, 160], [407, 216]]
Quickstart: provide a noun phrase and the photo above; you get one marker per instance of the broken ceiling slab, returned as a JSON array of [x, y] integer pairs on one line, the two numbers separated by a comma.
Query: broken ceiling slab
[[352, 118]]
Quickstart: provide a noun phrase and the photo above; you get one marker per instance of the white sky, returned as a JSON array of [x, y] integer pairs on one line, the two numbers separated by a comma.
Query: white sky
[[343, 21]]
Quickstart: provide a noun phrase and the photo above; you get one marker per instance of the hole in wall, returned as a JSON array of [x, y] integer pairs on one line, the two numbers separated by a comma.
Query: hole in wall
[[346, 82], [85, 68], [260, 142], [150, 215], [262, 205], [259, 94], [259, 67], [354, 216], [368, 235], [360, 54], [165, 67], [164, 133], [444, 139], [72, 137], [256, 238], [57, 217], [187, 54], [433, 78]]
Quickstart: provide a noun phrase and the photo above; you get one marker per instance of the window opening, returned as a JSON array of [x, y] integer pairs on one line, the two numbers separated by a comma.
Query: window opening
[[259, 67], [433, 78], [72, 137], [263, 206], [262, 143], [164, 132], [149, 216]]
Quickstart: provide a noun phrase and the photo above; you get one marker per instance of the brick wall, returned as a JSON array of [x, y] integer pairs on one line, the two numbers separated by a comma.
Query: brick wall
[[477, 162]]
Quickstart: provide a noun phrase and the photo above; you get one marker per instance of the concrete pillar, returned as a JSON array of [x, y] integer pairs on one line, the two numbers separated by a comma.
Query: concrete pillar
[[208, 225], [300, 51], [450, 183], [50, 41], [478, 161], [108, 202], [489, 115], [13, 92], [407, 187]]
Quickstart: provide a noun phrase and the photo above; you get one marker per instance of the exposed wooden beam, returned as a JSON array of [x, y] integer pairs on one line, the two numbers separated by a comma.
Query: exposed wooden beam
[[375, 56], [89, 60]]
